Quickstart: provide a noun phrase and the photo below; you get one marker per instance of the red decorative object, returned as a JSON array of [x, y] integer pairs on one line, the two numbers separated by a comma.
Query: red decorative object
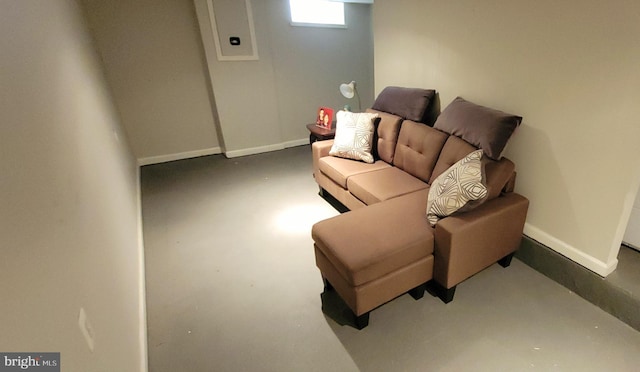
[[324, 117]]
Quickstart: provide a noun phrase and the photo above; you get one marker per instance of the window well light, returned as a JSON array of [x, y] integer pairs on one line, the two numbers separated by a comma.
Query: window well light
[[317, 12]]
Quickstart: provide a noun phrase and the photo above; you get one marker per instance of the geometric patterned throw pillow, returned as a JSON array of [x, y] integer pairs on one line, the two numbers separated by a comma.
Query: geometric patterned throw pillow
[[354, 136], [455, 187]]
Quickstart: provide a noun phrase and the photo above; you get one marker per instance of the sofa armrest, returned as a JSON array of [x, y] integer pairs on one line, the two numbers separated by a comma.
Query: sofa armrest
[[320, 149], [468, 242]]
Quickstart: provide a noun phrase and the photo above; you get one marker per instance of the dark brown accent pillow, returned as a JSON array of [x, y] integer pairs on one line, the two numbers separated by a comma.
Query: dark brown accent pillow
[[408, 103], [483, 127]]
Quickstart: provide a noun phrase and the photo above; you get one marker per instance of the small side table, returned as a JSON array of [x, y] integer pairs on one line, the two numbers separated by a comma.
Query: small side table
[[317, 133]]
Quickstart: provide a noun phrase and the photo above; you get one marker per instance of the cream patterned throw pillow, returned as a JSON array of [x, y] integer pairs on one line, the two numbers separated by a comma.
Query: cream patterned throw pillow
[[354, 135], [455, 187]]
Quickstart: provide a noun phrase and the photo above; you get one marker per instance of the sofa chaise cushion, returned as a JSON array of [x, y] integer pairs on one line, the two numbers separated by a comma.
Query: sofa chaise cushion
[[368, 243]]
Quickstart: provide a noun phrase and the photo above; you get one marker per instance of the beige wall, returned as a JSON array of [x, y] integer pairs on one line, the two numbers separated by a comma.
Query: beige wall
[[70, 233], [311, 63], [570, 68], [264, 105], [156, 68]]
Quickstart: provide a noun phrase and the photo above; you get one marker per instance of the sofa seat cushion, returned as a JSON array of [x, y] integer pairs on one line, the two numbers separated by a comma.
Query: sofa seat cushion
[[368, 243], [383, 184], [339, 169]]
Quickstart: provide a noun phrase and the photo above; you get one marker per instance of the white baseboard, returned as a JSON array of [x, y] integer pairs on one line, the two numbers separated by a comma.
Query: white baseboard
[[142, 292], [178, 156], [268, 148], [296, 143], [597, 266], [253, 150], [217, 150]]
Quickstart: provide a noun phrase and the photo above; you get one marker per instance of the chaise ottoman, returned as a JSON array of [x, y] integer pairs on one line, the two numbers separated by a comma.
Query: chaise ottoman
[[372, 255]]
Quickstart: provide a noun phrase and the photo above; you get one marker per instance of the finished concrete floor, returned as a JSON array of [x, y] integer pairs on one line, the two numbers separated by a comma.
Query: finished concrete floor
[[232, 286]]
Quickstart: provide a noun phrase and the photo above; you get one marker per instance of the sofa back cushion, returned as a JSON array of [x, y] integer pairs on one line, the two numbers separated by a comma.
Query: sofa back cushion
[[418, 148], [453, 150], [484, 127], [386, 135], [497, 173], [409, 103]]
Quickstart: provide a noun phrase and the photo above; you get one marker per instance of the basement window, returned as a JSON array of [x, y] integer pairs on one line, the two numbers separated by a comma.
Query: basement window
[[317, 13]]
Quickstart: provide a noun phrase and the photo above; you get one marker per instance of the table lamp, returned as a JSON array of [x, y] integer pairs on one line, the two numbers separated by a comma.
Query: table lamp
[[349, 90]]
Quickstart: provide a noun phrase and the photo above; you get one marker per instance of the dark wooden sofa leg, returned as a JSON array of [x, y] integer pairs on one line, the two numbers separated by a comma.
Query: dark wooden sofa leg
[[362, 320], [445, 294], [506, 260], [322, 192], [417, 292], [327, 285]]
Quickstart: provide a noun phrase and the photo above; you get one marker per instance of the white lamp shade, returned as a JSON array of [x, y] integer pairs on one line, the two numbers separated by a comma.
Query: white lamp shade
[[348, 90]]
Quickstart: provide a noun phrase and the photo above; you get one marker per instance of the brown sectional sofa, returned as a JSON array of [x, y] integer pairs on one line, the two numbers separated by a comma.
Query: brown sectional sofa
[[384, 246]]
